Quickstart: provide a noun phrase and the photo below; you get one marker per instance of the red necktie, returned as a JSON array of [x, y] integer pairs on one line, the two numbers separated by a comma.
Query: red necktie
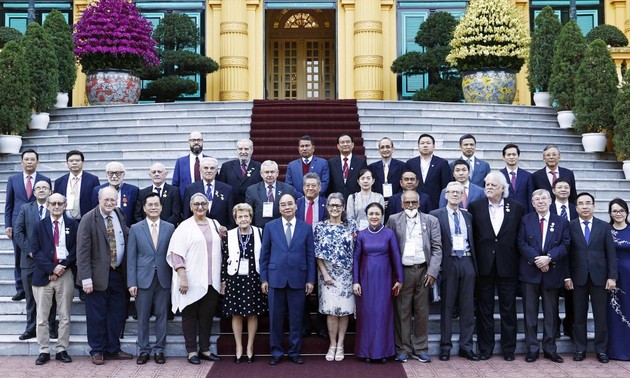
[[309, 212], [197, 170], [345, 168], [29, 187], [554, 176], [464, 199], [56, 241], [542, 229]]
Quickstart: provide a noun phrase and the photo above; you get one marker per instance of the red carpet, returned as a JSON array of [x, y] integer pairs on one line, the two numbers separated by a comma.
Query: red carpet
[[314, 367]]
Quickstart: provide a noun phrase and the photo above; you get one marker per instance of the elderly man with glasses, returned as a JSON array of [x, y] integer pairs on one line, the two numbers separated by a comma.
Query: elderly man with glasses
[[127, 193]]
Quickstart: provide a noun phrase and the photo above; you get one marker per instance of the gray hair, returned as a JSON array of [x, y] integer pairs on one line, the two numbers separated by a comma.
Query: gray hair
[[539, 192], [313, 176], [269, 163], [209, 159], [498, 177], [192, 199]]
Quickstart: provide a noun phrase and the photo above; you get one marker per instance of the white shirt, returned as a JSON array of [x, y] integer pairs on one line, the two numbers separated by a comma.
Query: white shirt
[[550, 176], [73, 188], [590, 224], [425, 164], [545, 227], [205, 190], [559, 205], [414, 235], [62, 230], [293, 222], [463, 230], [24, 176], [496, 215]]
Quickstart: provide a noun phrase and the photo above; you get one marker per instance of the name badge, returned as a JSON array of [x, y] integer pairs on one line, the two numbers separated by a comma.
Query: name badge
[[387, 190], [62, 253], [243, 267], [458, 243], [267, 209], [70, 202], [410, 249]]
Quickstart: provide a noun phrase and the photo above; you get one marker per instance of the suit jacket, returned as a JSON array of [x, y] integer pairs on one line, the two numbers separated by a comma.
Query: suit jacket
[[302, 206], [474, 193], [283, 265], [257, 195], [171, 204], [16, 196], [597, 259], [438, 177], [231, 174], [351, 185], [394, 204], [44, 249], [222, 202], [128, 196], [295, 178], [181, 174], [501, 249], [24, 229], [144, 260], [480, 171], [431, 239], [524, 188], [556, 246], [542, 182], [572, 210], [88, 183], [396, 169], [442, 216], [93, 253]]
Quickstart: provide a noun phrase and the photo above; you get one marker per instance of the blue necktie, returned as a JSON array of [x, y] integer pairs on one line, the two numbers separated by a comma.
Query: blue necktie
[[209, 192], [587, 231], [458, 231], [563, 212]]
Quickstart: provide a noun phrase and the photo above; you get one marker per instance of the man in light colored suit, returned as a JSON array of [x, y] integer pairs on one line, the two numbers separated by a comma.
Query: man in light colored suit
[[169, 196], [307, 163], [478, 168], [76, 185], [149, 276], [264, 196], [287, 274], [471, 193], [187, 167], [419, 239]]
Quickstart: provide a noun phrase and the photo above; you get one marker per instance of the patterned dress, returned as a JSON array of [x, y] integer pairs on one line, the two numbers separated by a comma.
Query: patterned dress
[[335, 245], [618, 329]]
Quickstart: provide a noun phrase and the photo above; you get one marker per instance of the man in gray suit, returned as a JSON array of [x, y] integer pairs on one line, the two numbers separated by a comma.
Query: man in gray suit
[[593, 270], [459, 270], [149, 276], [419, 239]]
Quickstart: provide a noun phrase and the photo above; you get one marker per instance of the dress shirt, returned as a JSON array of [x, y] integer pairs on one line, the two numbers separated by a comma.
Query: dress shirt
[[191, 164], [590, 224], [33, 175], [118, 233], [558, 206], [273, 190], [205, 190], [161, 189], [414, 234], [386, 165], [293, 222], [349, 157], [62, 230], [315, 210], [73, 188], [425, 164], [550, 176], [462, 227], [545, 227], [496, 215], [471, 164]]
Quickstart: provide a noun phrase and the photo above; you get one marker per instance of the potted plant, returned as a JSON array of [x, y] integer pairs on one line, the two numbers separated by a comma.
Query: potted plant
[[489, 47], [609, 34], [546, 29], [39, 51], [8, 34], [595, 95], [15, 98], [621, 113], [61, 34], [567, 55], [112, 40]]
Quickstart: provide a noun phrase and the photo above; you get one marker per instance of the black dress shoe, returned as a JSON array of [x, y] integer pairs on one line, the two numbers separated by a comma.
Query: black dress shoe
[[27, 335], [383, 361], [209, 357], [297, 360], [275, 360], [194, 359], [18, 296], [238, 360], [42, 358], [251, 359], [469, 355], [531, 357], [579, 356], [143, 358], [508, 356], [445, 356], [555, 357], [63, 357], [602, 357], [484, 356], [306, 332], [159, 358]]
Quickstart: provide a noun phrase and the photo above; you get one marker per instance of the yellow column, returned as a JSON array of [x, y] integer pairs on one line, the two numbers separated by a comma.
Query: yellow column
[[615, 13], [523, 96], [368, 47], [256, 49], [388, 13], [233, 59], [78, 92]]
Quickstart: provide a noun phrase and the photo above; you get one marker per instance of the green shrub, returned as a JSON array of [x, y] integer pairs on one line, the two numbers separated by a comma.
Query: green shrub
[[8, 34], [546, 30], [609, 34], [39, 50], [567, 55], [621, 113], [61, 34], [15, 96]]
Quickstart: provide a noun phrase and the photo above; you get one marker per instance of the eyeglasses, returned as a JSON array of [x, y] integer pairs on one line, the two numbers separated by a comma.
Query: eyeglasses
[[335, 206], [617, 211], [53, 204], [195, 140], [200, 204], [115, 173], [410, 203]]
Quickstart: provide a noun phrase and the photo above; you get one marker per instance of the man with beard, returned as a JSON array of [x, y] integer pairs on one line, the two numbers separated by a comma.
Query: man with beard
[[241, 173], [187, 167]]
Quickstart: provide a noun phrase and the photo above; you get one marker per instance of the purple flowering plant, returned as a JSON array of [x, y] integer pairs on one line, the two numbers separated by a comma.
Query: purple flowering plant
[[112, 34]]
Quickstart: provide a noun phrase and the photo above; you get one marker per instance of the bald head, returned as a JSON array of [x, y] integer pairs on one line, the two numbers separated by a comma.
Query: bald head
[[158, 173]]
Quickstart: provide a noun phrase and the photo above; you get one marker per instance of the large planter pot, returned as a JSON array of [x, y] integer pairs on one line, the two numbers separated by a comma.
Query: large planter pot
[[39, 121], [594, 142], [489, 86], [542, 99], [566, 118], [112, 88], [626, 169], [62, 100], [10, 144]]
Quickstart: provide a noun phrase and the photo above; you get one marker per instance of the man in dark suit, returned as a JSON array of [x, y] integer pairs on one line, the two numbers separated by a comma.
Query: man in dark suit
[[54, 244], [127, 193], [478, 168], [344, 169], [386, 184], [408, 181], [241, 173], [471, 192], [219, 195], [307, 163], [101, 260], [496, 220], [543, 242], [287, 273], [187, 167], [459, 270], [432, 171], [31, 213], [168, 194], [149, 276], [592, 271], [19, 192], [264, 196], [521, 181], [77, 186], [544, 178]]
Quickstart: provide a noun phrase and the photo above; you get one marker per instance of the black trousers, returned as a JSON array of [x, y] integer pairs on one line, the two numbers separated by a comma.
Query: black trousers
[[197, 320]]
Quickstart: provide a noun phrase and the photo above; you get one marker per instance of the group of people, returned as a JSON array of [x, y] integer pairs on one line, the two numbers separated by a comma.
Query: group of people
[[378, 243]]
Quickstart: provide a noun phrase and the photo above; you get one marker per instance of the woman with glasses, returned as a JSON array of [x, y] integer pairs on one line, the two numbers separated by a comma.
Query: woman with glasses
[[195, 255], [334, 247], [241, 279], [619, 306], [358, 201]]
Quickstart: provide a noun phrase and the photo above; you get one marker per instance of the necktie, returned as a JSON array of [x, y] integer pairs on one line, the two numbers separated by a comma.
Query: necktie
[[458, 231], [243, 169], [270, 193], [111, 238], [309, 212], [76, 205], [465, 198], [41, 212], [29, 187], [542, 229], [209, 192], [158, 191], [563, 212], [345, 169], [288, 233], [197, 169], [154, 234], [385, 170], [513, 180], [587, 231], [554, 176], [470, 167], [56, 240]]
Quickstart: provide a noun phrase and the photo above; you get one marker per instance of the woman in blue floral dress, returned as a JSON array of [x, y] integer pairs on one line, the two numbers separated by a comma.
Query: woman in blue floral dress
[[334, 247]]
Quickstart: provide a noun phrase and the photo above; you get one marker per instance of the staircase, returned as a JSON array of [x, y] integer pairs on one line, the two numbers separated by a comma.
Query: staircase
[[141, 135]]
